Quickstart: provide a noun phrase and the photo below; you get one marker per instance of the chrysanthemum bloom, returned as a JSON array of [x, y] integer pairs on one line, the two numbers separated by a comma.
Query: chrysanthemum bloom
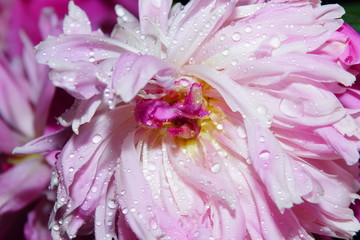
[[214, 120]]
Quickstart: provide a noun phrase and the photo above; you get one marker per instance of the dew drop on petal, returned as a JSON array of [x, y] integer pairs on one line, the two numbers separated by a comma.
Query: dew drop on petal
[[96, 139], [275, 42], [153, 225], [152, 166], [216, 168], [91, 59], [71, 169], [234, 62], [240, 131], [264, 155], [219, 127], [125, 211], [348, 59], [226, 52], [236, 36], [261, 109], [111, 204], [248, 29], [56, 227]]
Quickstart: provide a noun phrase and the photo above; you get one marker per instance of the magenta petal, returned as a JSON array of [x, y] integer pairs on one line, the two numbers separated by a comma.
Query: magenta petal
[[23, 183], [36, 227], [352, 53]]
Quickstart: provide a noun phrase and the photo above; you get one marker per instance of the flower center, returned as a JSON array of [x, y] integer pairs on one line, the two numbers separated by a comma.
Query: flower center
[[178, 110]]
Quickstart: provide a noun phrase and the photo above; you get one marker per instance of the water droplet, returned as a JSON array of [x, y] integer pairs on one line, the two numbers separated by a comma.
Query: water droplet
[[98, 223], [191, 61], [222, 37], [71, 155], [262, 139], [248, 29], [216, 168], [226, 52], [261, 109], [275, 42], [153, 224], [234, 62], [236, 36], [91, 59], [197, 234], [125, 211], [96, 139], [71, 169], [264, 155], [152, 166], [94, 189], [219, 127], [111, 204], [56, 227], [240, 131], [348, 59]]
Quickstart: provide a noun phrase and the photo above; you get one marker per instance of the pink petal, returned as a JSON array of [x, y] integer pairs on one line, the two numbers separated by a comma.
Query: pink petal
[[154, 220], [79, 193], [132, 72], [277, 170], [80, 112], [46, 143], [345, 148], [233, 93], [153, 13], [76, 22], [206, 16]]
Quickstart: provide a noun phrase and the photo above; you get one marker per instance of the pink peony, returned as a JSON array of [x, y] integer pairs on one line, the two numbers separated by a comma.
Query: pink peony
[[26, 95], [27, 109], [214, 120], [22, 15]]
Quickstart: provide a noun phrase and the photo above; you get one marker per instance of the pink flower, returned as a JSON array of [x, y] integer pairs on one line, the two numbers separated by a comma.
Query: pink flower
[[23, 15], [25, 112], [26, 97], [214, 120]]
